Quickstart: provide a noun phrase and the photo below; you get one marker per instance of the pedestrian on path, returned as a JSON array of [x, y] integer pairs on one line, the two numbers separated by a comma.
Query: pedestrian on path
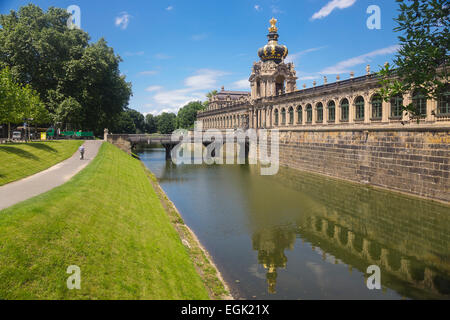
[[81, 149]]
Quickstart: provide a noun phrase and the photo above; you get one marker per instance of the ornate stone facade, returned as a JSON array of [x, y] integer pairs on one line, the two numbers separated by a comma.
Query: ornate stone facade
[[275, 101]]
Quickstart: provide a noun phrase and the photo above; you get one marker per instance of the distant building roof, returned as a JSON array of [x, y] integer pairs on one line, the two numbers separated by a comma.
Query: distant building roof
[[234, 95]]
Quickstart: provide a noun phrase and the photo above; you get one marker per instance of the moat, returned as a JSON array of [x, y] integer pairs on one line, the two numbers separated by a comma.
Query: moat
[[297, 235]]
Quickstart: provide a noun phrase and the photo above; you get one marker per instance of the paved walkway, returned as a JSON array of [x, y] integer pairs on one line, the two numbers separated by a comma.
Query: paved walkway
[[46, 180]]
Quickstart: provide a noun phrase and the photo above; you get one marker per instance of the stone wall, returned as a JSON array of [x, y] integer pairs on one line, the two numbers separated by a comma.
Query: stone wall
[[411, 160], [120, 141]]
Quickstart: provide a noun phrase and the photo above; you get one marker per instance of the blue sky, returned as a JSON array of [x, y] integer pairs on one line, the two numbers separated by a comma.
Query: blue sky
[[176, 51]]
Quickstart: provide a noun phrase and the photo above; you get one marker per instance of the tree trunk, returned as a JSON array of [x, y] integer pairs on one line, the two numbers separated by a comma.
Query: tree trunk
[[9, 131]]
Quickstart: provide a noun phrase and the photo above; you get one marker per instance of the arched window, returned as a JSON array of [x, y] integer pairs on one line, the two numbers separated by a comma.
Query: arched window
[[283, 116], [396, 106], [344, 110], [299, 115], [444, 101], [331, 111], [359, 105], [377, 107], [308, 113], [319, 109], [291, 115], [419, 100], [276, 116]]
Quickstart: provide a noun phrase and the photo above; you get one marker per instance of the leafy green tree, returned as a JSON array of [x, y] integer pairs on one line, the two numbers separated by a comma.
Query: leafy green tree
[[150, 123], [166, 122], [188, 115], [60, 63], [69, 113], [423, 59], [18, 103], [123, 123], [209, 95], [138, 119]]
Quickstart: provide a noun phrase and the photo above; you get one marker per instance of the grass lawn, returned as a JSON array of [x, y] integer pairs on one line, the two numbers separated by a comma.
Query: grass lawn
[[107, 220], [20, 160]]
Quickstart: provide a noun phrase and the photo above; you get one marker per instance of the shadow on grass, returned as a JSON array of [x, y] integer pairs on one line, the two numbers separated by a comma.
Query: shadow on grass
[[42, 146], [19, 152]]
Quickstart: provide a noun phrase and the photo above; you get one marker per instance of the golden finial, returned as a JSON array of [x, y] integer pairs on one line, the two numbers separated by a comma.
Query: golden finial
[[273, 27]]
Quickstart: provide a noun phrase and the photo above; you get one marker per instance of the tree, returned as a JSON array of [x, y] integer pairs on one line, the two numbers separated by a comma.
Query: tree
[[19, 103], [166, 122], [138, 119], [59, 63], [150, 123], [69, 112], [209, 95], [188, 115], [421, 64], [123, 123]]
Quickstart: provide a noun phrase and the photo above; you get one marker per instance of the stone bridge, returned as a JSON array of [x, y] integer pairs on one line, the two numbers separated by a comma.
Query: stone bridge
[[127, 142]]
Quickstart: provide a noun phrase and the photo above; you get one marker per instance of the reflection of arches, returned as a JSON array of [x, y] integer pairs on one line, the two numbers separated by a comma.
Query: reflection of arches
[[330, 229], [343, 236], [374, 250], [276, 116], [394, 260], [417, 270], [283, 116]]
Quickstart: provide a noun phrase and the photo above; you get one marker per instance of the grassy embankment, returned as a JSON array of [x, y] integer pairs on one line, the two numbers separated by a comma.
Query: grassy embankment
[[20, 160], [109, 221]]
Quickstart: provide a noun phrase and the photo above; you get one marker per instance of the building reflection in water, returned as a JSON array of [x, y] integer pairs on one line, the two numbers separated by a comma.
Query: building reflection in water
[[349, 224], [408, 238]]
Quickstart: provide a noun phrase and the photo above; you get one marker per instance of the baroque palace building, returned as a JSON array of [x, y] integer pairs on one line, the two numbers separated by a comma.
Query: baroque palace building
[[276, 102]]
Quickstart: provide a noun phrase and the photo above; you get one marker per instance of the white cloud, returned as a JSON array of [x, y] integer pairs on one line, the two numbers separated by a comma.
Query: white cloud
[[241, 84], [257, 7], [148, 73], [169, 8], [196, 87], [294, 56], [204, 79], [153, 88], [122, 20], [158, 112], [330, 6], [344, 66]]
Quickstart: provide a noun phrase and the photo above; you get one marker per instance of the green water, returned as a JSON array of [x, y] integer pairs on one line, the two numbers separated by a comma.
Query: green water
[[302, 236]]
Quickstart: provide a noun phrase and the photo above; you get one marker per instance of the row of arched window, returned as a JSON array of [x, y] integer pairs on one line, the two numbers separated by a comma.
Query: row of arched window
[[286, 115], [229, 121]]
